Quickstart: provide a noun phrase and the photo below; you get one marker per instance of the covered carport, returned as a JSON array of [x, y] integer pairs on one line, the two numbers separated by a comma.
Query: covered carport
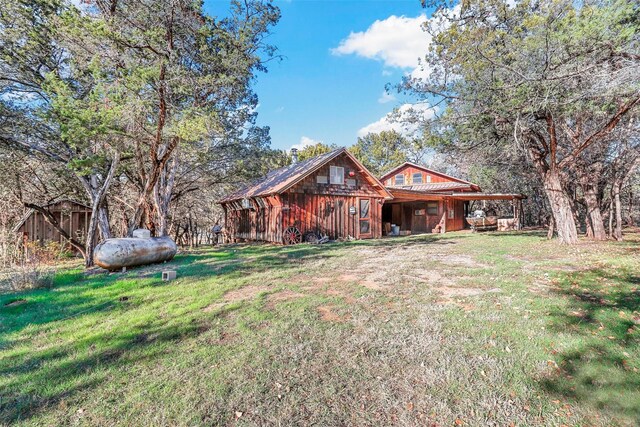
[[418, 212]]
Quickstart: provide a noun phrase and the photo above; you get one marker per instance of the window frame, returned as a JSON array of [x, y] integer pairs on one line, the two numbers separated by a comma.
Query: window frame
[[413, 178], [430, 206], [333, 168], [395, 179]]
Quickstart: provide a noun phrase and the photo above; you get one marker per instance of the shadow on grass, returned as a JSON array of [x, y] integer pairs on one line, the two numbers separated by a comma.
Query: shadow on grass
[[601, 365], [43, 379]]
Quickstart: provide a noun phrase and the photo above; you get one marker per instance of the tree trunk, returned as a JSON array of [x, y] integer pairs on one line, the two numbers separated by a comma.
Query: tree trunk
[[162, 195], [103, 222], [593, 213], [561, 208], [611, 219], [630, 210], [617, 233], [97, 195]]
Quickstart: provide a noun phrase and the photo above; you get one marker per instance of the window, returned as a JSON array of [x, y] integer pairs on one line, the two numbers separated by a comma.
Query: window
[[351, 182], [428, 178], [419, 212], [399, 179], [321, 179], [432, 208], [337, 175], [452, 214], [365, 223], [246, 204], [417, 178]]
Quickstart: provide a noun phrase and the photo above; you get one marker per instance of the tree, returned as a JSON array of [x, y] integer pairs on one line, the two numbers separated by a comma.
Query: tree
[[315, 150], [553, 78], [187, 78], [55, 105], [381, 152], [120, 88]]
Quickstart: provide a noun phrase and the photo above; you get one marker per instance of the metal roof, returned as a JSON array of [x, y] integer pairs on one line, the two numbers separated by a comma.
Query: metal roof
[[280, 180]]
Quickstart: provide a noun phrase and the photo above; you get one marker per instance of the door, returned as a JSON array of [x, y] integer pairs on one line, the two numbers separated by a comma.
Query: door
[[364, 218], [419, 223]]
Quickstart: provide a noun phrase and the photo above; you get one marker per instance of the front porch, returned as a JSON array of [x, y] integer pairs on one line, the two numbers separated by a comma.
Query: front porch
[[416, 212]]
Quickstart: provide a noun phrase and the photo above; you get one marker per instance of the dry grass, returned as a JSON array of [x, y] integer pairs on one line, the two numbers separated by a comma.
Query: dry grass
[[464, 329]]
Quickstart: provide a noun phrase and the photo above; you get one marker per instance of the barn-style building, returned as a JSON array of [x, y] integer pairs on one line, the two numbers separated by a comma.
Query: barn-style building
[[335, 195]]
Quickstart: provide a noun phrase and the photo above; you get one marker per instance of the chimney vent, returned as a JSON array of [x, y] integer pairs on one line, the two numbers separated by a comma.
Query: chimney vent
[[294, 156]]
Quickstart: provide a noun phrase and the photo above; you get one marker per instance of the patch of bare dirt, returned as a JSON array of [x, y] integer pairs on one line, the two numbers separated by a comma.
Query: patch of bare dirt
[[328, 314], [245, 293], [460, 260], [432, 277]]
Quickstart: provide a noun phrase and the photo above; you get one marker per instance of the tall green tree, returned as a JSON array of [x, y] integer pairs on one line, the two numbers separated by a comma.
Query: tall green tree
[[315, 150], [553, 78], [381, 152]]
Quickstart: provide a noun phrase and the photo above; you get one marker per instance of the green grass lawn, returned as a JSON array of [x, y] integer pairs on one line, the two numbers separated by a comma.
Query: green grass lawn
[[455, 329]]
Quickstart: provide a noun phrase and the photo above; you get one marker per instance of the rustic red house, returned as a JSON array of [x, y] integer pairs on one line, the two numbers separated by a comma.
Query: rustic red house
[[335, 195], [332, 194]]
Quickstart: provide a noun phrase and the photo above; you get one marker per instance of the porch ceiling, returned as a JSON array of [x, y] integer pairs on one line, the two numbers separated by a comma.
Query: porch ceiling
[[405, 195]]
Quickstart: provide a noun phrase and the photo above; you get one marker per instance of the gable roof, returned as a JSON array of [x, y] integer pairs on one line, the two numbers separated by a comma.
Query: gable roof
[[431, 171], [280, 180]]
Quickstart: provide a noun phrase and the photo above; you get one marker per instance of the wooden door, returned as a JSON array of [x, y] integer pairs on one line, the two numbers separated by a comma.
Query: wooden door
[[364, 218], [419, 223], [433, 215], [407, 216]]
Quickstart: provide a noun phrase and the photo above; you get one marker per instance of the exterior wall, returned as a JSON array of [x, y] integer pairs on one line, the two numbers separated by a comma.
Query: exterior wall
[[311, 206], [330, 215], [73, 217], [262, 222], [408, 172]]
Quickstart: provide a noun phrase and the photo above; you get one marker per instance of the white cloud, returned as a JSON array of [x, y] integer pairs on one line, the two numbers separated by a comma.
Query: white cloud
[[305, 141], [386, 97], [397, 41], [404, 120]]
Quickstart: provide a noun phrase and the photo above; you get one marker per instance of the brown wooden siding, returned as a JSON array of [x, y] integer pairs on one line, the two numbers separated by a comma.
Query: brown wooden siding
[[408, 172], [73, 217]]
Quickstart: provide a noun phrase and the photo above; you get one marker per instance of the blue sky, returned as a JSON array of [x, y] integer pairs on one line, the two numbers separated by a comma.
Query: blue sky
[[337, 57]]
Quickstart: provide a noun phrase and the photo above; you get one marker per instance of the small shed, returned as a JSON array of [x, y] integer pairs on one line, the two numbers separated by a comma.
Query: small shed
[[72, 216], [332, 194]]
